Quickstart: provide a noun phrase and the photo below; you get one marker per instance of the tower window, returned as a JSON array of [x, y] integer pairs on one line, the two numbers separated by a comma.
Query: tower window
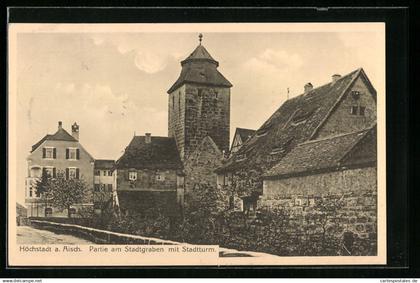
[[353, 110], [361, 111]]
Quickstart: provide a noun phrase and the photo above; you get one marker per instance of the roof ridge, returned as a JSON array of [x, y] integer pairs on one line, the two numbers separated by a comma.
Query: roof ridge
[[324, 85]]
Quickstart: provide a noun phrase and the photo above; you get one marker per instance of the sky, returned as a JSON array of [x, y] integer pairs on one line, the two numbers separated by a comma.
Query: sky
[[113, 84]]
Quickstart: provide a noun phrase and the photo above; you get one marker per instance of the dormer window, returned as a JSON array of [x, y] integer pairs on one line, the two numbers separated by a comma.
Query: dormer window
[[301, 116], [282, 148], [264, 129], [240, 157]]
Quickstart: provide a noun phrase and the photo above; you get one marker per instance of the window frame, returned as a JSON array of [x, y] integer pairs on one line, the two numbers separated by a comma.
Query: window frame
[[132, 173], [46, 149], [70, 149]]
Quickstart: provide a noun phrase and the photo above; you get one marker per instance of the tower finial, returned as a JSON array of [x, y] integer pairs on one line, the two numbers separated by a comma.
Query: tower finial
[[200, 37]]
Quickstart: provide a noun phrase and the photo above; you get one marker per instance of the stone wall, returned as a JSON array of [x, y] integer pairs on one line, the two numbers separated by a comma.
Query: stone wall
[[195, 112], [355, 190], [176, 118], [341, 119]]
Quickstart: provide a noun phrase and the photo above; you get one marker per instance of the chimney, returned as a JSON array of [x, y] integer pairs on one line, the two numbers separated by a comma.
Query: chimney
[[148, 138], [308, 87], [75, 131], [60, 125], [335, 77]]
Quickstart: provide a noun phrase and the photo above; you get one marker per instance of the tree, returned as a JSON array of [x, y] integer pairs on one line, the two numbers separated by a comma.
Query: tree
[[66, 192], [42, 186]]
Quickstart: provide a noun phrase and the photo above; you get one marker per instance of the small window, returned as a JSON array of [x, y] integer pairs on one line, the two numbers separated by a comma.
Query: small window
[[353, 110], [301, 116], [361, 110], [231, 202], [30, 192], [97, 172], [355, 94], [160, 176], [97, 188], [241, 157], [109, 188], [72, 173], [72, 153], [105, 173], [298, 202], [132, 176], [49, 171], [48, 212], [216, 94], [49, 152], [109, 173]]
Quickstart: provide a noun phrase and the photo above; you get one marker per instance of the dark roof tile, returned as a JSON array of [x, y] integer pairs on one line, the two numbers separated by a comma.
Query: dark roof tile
[[293, 123], [104, 164], [160, 153], [320, 154]]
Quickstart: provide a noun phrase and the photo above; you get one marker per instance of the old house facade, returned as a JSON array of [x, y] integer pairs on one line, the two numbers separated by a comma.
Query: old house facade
[[55, 154], [105, 184], [344, 105], [149, 174]]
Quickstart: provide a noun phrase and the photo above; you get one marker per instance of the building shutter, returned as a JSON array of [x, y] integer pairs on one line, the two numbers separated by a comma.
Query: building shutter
[[54, 173], [54, 153], [67, 173], [77, 154], [67, 153], [44, 152], [77, 173]]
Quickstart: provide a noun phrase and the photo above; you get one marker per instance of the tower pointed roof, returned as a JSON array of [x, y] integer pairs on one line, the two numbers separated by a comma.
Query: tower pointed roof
[[200, 53], [201, 68]]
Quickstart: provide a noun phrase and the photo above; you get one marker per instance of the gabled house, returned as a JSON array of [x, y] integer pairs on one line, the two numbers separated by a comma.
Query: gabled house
[[149, 174], [54, 153], [240, 137], [345, 104], [341, 168]]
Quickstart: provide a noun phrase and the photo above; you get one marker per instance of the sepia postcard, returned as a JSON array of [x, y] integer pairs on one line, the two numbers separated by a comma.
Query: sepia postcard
[[221, 144]]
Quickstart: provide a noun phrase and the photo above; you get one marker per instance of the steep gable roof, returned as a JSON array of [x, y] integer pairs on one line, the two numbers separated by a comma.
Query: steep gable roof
[[293, 123], [245, 134], [328, 153], [160, 153], [200, 68], [60, 135]]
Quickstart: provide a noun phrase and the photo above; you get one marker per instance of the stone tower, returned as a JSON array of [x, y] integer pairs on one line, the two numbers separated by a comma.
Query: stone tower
[[199, 103]]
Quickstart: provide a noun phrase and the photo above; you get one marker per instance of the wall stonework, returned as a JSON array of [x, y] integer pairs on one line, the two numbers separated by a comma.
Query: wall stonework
[[341, 119], [357, 188], [200, 166], [197, 111], [176, 118]]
